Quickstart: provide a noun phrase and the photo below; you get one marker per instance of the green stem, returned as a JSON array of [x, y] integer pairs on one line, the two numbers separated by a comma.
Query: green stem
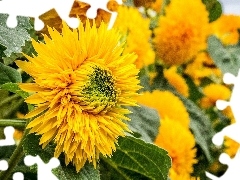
[[13, 108], [9, 99], [15, 158], [13, 122]]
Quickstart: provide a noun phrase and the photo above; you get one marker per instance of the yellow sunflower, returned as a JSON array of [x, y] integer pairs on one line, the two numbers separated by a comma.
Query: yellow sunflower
[[81, 82], [167, 105], [182, 32], [214, 92], [228, 34], [137, 32], [79, 9], [180, 144], [176, 80]]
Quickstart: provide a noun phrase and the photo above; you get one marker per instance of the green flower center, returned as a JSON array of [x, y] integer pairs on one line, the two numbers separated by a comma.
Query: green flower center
[[99, 93]]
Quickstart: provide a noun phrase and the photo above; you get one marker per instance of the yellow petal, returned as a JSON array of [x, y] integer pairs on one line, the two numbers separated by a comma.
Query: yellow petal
[[30, 87], [25, 66], [35, 99], [36, 111]]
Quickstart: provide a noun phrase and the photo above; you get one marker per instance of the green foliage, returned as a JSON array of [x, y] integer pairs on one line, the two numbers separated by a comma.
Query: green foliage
[[200, 124], [135, 159], [145, 122], [13, 87], [14, 39], [194, 92], [214, 8], [68, 172], [31, 147], [27, 49], [226, 58], [9, 74]]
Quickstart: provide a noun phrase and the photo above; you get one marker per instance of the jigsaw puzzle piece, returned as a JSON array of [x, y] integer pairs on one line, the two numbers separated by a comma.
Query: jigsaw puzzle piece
[[44, 170], [8, 141], [3, 165], [18, 176], [232, 172], [100, 4]]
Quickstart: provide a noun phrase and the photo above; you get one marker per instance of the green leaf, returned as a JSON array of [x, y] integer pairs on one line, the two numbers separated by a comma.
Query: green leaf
[[26, 49], [135, 159], [6, 151], [194, 91], [214, 8], [8, 74], [31, 147], [68, 172], [226, 58], [14, 38], [200, 124], [145, 121], [144, 80], [13, 87]]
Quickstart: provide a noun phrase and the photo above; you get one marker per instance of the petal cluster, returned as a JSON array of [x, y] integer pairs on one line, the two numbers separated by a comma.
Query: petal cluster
[[81, 82], [179, 36]]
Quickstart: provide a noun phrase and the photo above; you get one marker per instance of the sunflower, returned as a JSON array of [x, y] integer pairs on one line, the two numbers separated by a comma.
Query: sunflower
[[167, 105], [214, 92], [81, 83], [137, 32], [227, 34], [176, 80], [180, 144], [180, 36], [79, 9]]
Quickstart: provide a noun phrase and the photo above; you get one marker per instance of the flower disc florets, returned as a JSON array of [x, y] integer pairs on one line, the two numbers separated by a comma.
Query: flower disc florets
[[99, 93]]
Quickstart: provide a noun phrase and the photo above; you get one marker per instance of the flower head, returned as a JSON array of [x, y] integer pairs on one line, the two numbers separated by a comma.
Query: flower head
[[167, 105], [137, 32], [180, 36], [81, 82], [228, 34], [180, 144]]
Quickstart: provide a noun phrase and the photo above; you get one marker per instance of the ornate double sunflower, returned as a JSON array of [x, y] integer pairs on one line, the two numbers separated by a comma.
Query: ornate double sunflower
[[81, 82], [179, 37]]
